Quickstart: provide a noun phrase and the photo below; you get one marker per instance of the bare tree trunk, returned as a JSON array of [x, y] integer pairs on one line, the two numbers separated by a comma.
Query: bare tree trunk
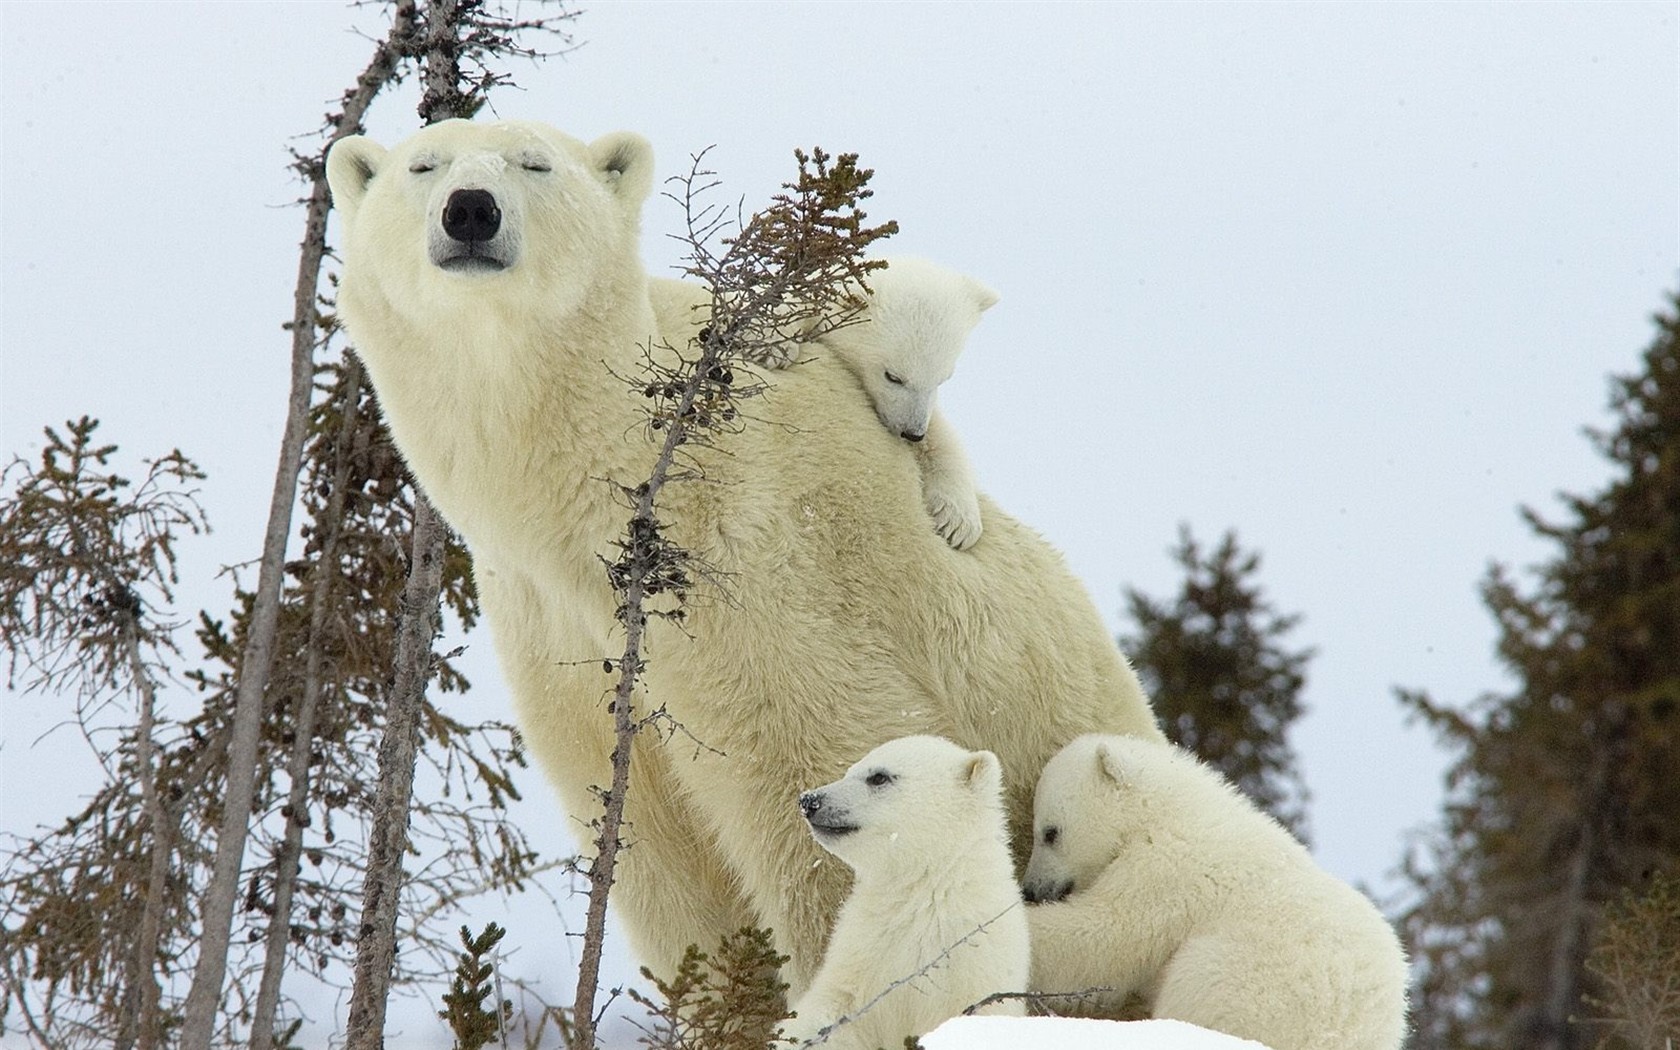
[[199, 1017], [303, 743], [607, 841], [141, 1025], [388, 836], [376, 947], [443, 98], [645, 557], [203, 999]]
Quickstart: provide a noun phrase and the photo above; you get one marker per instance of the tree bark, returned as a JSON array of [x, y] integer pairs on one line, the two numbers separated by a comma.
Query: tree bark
[[141, 1027], [643, 561], [204, 997], [376, 947], [303, 743], [388, 835]]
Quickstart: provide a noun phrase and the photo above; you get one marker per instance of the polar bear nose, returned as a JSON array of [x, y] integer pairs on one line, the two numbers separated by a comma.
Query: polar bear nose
[[913, 435], [1040, 891], [471, 215], [810, 804]]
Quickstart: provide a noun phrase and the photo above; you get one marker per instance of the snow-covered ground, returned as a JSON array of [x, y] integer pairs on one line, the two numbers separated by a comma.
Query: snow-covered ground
[[1075, 1033]]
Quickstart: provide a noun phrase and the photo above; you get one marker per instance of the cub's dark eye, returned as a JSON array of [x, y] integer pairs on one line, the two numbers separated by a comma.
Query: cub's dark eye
[[420, 167], [894, 380], [879, 778], [1051, 835], [535, 164]]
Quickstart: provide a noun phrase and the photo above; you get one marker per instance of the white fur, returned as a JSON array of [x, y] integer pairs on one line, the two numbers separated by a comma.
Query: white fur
[[847, 621], [1184, 892], [934, 902], [901, 349]]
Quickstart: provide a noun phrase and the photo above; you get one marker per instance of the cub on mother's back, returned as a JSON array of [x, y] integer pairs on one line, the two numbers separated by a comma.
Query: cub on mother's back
[[904, 346]]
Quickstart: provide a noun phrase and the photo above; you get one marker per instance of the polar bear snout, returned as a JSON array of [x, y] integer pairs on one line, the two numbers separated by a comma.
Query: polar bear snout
[[824, 816], [473, 233], [1045, 891], [810, 804], [471, 215]]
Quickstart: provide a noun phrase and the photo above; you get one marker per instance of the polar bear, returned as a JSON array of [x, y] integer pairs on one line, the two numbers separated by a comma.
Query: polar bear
[[902, 348], [1170, 883], [935, 921], [493, 287]]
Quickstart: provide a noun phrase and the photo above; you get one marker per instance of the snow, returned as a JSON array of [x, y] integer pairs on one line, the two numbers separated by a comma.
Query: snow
[[1074, 1033]]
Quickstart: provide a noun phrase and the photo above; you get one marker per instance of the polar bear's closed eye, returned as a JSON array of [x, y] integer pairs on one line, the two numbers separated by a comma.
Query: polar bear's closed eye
[[916, 321]]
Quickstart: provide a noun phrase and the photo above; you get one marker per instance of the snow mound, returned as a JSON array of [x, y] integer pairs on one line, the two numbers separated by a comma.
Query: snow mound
[[1077, 1033]]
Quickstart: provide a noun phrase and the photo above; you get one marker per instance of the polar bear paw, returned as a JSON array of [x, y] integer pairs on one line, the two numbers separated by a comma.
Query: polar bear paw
[[955, 511]]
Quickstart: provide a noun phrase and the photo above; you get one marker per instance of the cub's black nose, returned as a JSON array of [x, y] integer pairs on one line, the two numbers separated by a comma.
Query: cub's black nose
[[1045, 892], [810, 803], [471, 215]]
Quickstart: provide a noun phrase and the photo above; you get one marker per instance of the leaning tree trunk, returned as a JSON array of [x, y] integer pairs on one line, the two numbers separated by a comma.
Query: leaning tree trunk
[[296, 813], [204, 997], [388, 837], [376, 947]]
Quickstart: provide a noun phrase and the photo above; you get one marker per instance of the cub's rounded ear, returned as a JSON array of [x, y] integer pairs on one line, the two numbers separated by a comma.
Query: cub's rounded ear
[[352, 163], [984, 298], [982, 771], [1110, 766], [624, 161]]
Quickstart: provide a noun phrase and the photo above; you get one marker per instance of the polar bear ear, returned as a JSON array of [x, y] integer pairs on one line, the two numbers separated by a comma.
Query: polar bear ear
[[984, 298], [351, 165], [1110, 768], [625, 161], [982, 772]]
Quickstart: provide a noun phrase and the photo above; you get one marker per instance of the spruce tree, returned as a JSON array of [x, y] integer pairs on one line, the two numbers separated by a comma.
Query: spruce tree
[[1224, 684], [1565, 791]]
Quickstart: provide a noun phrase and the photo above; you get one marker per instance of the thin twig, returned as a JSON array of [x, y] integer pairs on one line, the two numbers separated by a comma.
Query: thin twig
[[844, 1019]]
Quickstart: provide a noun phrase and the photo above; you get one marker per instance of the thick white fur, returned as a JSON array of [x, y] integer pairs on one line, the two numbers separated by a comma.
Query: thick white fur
[[902, 347], [1184, 892], [934, 901], [847, 622]]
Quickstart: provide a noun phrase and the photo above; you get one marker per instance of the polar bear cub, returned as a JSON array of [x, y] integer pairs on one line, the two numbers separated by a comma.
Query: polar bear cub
[[916, 320], [935, 922], [1172, 885]]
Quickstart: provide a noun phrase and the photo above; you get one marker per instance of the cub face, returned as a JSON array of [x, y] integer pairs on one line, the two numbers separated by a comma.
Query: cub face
[[907, 803], [917, 321], [1080, 810], [464, 211]]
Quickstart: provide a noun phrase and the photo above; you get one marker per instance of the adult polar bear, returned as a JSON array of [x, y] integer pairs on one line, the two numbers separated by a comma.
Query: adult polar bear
[[493, 286]]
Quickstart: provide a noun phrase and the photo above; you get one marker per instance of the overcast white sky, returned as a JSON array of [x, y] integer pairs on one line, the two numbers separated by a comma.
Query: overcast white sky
[[1348, 278]]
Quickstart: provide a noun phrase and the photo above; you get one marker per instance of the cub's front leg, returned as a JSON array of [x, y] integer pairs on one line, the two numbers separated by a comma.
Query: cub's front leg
[[1083, 944], [948, 484]]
